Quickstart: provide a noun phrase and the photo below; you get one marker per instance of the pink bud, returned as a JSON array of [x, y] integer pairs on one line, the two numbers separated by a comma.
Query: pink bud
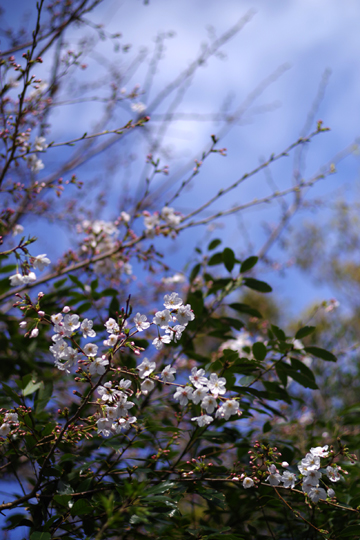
[[41, 313], [66, 309], [284, 464], [34, 333], [23, 324]]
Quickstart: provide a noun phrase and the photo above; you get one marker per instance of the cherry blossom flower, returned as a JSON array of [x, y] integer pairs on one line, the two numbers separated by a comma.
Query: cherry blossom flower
[[125, 217], [203, 420], [140, 322], [124, 423], [17, 229], [40, 144], [274, 477], [333, 473], [98, 365], [162, 318], [90, 349], [159, 341], [111, 341], [321, 451], [146, 368], [197, 378], [16, 280], [229, 408], [248, 482], [168, 373], [199, 394], [172, 301], [309, 463], [175, 332], [216, 385], [146, 386], [182, 395], [138, 107], [111, 326], [209, 403], [40, 261], [11, 417], [184, 314], [5, 430], [288, 478], [71, 323], [108, 393], [316, 494], [104, 426], [330, 493], [124, 405], [312, 478], [29, 278], [86, 327]]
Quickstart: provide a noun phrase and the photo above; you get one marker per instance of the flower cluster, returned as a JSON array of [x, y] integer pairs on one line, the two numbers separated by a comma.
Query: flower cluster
[[39, 262], [167, 216], [115, 407], [5, 428]]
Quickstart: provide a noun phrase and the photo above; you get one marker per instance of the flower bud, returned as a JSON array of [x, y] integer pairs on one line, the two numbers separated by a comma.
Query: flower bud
[[23, 324], [34, 333]]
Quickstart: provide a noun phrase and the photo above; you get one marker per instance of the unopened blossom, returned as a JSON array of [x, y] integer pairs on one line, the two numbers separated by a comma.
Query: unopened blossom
[[34, 333], [172, 301], [274, 477], [141, 322], [98, 365], [162, 318], [330, 493], [333, 473], [321, 451], [209, 404], [168, 373], [87, 328], [146, 368], [111, 326], [23, 324], [203, 420], [5, 430], [40, 261], [248, 482], [182, 395], [16, 280], [147, 385], [159, 341], [104, 426], [317, 493], [216, 385], [198, 378], [111, 341], [199, 394], [288, 478], [90, 349], [184, 314]]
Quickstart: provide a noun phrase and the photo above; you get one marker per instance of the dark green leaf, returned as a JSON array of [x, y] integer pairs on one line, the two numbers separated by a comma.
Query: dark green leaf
[[244, 308], [248, 264], [214, 244], [11, 394], [217, 258], [228, 257], [305, 331], [321, 353], [257, 285], [81, 507], [40, 536], [259, 351], [194, 272], [278, 333], [353, 531], [160, 488], [77, 282]]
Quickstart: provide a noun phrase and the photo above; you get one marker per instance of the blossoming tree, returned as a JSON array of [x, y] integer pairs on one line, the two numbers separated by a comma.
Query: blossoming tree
[[151, 409]]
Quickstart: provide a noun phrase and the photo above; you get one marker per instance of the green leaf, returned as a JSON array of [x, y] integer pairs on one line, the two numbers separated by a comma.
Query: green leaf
[[214, 244], [81, 507], [244, 308], [9, 391], [321, 353], [77, 281], [228, 257], [352, 530], [217, 258], [31, 387], [278, 333], [248, 264], [305, 331], [257, 285], [194, 272], [40, 536], [267, 427], [44, 396], [161, 488], [259, 351]]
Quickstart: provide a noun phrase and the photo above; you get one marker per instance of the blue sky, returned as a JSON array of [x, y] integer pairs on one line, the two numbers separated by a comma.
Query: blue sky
[[295, 42]]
